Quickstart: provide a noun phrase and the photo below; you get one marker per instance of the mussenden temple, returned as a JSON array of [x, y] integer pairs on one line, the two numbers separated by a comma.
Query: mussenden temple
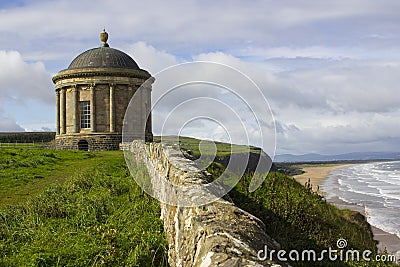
[[92, 95]]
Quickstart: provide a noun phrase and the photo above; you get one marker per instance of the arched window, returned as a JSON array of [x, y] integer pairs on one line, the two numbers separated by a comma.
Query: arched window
[[83, 145]]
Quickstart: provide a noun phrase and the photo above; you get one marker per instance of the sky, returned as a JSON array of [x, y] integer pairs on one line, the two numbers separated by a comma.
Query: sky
[[329, 69]]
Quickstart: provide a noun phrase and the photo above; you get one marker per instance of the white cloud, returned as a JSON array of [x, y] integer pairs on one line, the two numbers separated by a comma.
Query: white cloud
[[149, 58], [351, 132], [343, 86], [337, 106], [24, 81], [302, 28], [8, 123], [26, 91], [329, 68], [347, 105]]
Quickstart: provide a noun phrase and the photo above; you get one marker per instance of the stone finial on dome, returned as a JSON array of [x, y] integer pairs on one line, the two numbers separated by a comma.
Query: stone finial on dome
[[104, 38]]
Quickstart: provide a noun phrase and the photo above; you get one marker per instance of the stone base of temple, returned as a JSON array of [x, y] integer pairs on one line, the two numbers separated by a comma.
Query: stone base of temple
[[91, 142]]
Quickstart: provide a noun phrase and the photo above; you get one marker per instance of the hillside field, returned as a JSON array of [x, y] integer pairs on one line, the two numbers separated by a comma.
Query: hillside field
[[74, 208]]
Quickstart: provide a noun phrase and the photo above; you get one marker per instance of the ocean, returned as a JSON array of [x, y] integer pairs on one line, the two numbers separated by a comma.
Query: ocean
[[373, 186]]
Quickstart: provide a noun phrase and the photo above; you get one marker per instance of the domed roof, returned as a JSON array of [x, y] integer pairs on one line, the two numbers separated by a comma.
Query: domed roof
[[103, 57]]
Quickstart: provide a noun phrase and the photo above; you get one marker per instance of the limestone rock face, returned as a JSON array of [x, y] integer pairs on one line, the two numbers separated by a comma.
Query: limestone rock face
[[215, 234]]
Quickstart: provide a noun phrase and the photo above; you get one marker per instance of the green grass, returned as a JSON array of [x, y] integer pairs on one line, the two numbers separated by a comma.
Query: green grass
[[300, 219], [26, 172], [294, 216], [21, 166], [21, 145], [97, 217], [88, 211], [223, 149]]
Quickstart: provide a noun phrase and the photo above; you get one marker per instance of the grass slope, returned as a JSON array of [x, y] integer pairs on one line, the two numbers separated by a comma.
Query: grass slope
[[26, 172], [193, 144], [294, 216], [97, 217]]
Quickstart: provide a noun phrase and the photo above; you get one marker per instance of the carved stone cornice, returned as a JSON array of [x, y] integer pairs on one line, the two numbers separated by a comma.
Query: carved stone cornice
[[91, 72]]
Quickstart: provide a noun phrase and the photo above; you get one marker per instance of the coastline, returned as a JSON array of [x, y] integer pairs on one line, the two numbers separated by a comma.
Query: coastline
[[317, 174]]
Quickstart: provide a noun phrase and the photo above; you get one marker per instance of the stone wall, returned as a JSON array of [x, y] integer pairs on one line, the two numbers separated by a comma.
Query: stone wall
[[95, 141], [215, 234]]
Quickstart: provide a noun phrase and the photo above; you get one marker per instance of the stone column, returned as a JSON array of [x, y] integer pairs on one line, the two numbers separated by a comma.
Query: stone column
[[63, 110], [148, 129], [92, 108], [143, 109], [58, 111], [112, 109], [76, 109], [138, 127]]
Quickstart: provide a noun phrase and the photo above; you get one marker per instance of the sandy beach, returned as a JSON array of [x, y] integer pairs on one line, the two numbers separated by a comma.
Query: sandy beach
[[317, 174]]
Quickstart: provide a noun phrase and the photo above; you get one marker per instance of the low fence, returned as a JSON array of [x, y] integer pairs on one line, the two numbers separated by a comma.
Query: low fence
[[32, 145], [215, 234]]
